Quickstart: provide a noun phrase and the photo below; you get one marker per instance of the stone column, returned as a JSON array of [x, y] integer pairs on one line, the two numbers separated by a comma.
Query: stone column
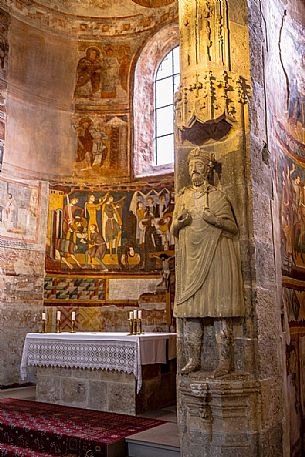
[[225, 413]]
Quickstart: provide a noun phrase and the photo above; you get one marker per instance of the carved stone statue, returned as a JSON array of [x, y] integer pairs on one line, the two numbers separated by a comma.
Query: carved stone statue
[[208, 272]]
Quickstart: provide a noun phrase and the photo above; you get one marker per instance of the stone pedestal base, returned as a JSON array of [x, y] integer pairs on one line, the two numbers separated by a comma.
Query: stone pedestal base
[[220, 417], [110, 391]]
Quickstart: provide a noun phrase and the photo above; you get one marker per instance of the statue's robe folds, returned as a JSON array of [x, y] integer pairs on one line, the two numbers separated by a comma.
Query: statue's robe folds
[[208, 270]]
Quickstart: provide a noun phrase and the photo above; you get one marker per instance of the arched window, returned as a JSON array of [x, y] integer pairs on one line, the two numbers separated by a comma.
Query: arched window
[[155, 80], [166, 84]]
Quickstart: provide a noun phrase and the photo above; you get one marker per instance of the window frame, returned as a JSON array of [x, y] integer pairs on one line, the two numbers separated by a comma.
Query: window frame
[[157, 109], [143, 102]]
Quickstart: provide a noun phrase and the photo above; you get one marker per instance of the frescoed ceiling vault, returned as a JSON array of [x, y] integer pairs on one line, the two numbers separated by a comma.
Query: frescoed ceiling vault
[[78, 17]]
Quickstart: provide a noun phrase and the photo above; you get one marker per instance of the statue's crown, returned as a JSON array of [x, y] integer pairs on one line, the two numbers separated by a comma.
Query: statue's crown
[[201, 154]]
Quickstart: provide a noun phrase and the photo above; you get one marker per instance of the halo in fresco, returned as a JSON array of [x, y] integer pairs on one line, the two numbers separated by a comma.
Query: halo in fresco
[[153, 3]]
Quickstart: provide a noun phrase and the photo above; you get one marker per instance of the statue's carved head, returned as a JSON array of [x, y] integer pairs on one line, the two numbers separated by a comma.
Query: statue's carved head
[[201, 164]]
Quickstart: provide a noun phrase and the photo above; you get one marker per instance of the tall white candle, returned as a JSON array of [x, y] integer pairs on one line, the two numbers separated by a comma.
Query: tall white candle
[[58, 315], [73, 315], [43, 317], [130, 315], [135, 314], [140, 314]]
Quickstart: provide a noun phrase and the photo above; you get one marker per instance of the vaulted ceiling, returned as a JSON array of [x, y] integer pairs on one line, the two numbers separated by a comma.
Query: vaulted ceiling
[[89, 19], [103, 8]]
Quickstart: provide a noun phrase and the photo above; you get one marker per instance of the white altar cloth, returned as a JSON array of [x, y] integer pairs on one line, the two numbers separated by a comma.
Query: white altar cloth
[[97, 350]]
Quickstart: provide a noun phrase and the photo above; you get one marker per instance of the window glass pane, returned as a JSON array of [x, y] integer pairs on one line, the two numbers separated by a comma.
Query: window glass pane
[[176, 57], [164, 121], [165, 150], [166, 67], [164, 92], [176, 83]]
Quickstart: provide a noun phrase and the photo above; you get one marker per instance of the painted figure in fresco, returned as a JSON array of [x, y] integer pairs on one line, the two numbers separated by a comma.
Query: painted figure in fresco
[[85, 142], [153, 206], [65, 250], [150, 238], [165, 259], [208, 270], [91, 209], [130, 259], [287, 217], [10, 213], [88, 71], [163, 207], [129, 228], [97, 247], [296, 204], [99, 148], [110, 74], [3, 54], [140, 212], [112, 224], [71, 210], [164, 226]]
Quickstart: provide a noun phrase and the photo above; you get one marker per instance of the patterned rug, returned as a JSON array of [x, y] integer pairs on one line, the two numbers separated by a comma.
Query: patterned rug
[[55, 430]]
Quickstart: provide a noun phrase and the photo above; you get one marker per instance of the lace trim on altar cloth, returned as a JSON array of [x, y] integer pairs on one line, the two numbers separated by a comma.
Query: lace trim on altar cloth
[[100, 355]]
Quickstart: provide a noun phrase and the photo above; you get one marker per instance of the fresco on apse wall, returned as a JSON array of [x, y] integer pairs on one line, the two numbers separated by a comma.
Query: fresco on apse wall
[[102, 145], [294, 300], [19, 211], [77, 290], [108, 231], [291, 176], [102, 72], [4, 49], [293, 59]]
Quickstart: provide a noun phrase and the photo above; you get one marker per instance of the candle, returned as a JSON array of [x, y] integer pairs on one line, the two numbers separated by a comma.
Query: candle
[[73, 315], [135, 314], [130, 315], [43, 317], [140, 314], [58, 315]]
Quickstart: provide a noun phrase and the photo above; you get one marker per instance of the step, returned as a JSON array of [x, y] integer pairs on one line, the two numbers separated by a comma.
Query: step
[[161, 441], [22, 393], [138, 449]]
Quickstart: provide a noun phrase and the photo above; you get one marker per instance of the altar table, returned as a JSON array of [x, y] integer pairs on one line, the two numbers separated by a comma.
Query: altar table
[[102, 353]]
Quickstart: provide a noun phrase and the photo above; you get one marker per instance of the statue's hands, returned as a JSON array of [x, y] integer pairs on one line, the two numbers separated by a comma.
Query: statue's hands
[[210, 218], [182, 221]]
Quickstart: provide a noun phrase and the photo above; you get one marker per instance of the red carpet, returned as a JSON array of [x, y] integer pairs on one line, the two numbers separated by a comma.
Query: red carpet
[[33, 429]]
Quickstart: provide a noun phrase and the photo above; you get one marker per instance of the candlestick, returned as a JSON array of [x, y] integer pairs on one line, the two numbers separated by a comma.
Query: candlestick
[[130, 326], [73, 326], [58, 315], [139, 326], [43, 326], [135, 326], [57, 326]]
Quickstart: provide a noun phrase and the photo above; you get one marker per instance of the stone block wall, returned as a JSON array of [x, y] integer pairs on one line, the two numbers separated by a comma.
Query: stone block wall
[[22, 254]]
